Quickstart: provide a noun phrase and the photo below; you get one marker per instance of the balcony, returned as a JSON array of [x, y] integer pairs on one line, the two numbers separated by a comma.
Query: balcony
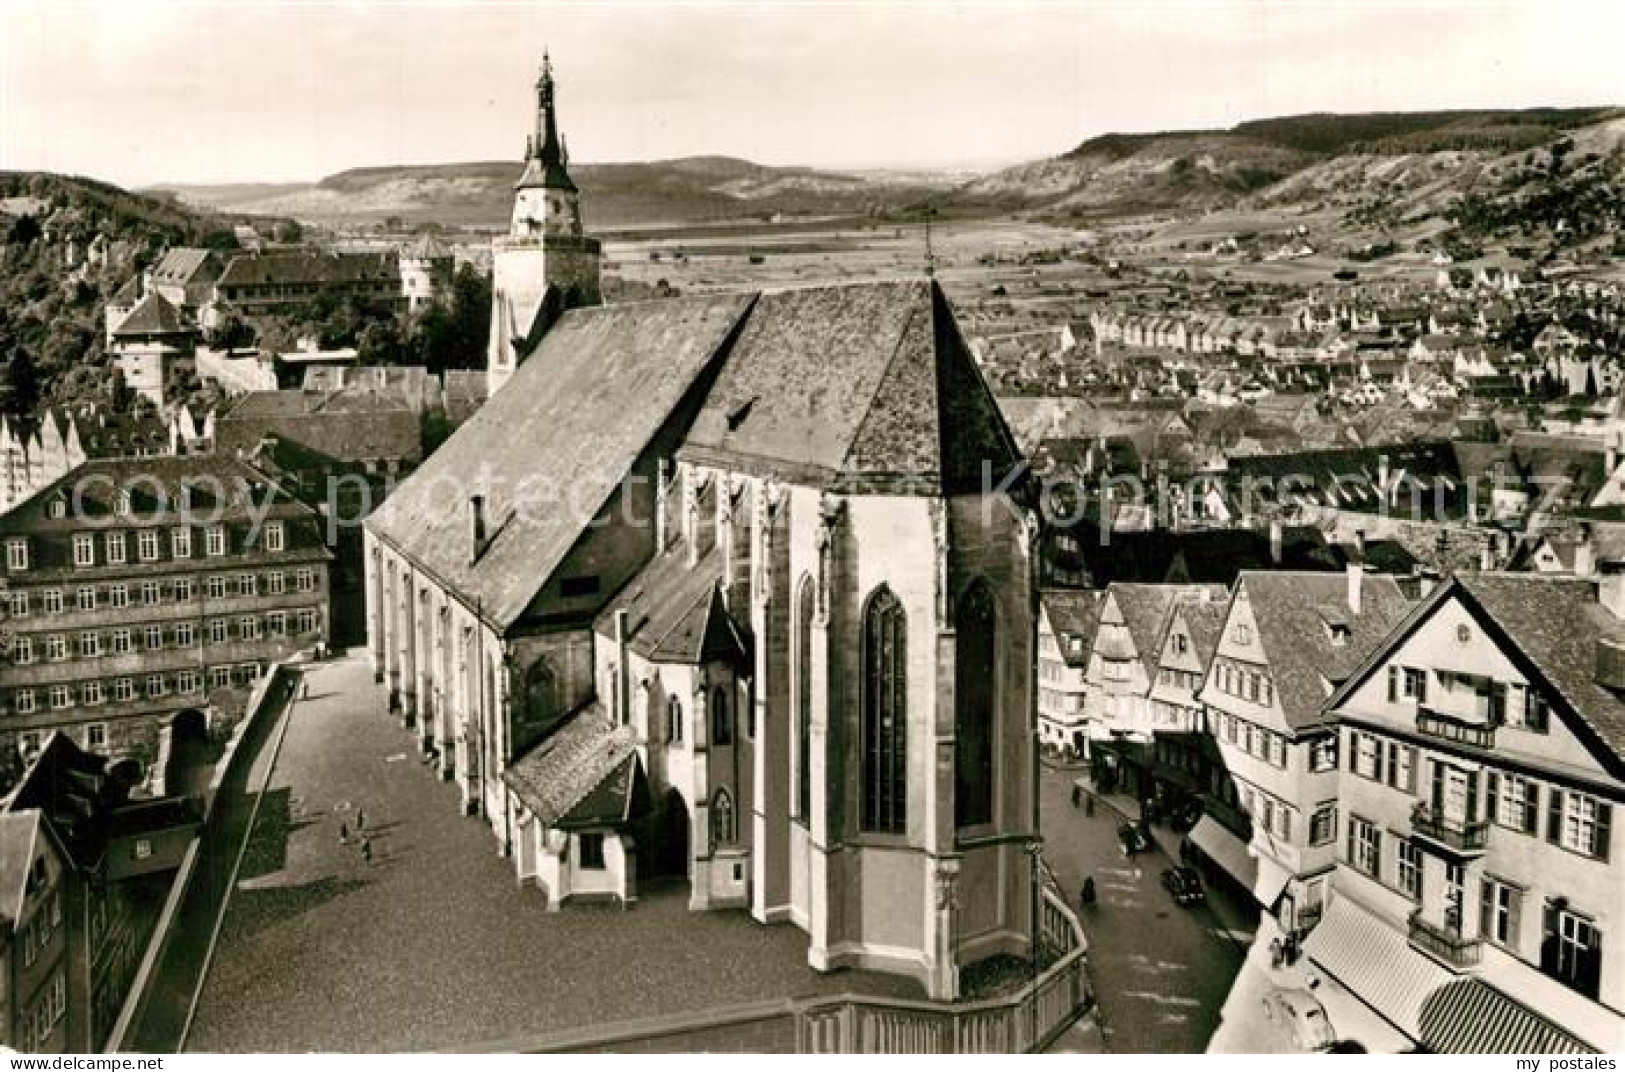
[[1460, 835], [1444, 944], [1450, 728]]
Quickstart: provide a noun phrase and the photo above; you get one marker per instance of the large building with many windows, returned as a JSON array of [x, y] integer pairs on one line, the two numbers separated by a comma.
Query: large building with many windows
[[1477, 899], [140, 588]]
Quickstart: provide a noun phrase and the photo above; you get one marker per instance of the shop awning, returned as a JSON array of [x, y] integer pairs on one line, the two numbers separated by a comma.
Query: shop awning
[[1471, 1016], [1441, 1012], [1227, 850], [1375, 961], [1272, 879]]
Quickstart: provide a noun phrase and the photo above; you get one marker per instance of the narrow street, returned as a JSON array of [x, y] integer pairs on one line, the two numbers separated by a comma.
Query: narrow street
[[1161, 973]]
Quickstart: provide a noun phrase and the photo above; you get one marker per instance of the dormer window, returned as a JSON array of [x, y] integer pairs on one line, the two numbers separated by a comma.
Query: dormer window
[[122, 503], [56, 509]]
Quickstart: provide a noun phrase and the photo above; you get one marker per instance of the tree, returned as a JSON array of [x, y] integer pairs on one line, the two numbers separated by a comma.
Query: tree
[[121, 396], [288, 232], [380, 343], [22, 382]]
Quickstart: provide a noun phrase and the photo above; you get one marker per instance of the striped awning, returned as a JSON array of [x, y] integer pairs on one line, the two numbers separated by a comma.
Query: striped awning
[[1470, 1016], [1441, 1012], [1259, 874]]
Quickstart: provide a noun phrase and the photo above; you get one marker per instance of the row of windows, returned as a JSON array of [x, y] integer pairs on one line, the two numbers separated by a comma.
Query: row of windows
[[90, 597], [115, 548], [1267, 812], [57, 647], [127, 689], [1575, 821], [37, 934], [49, 1010], [1243, 682], [1256, 741], [1571, 944], [1498, 703]]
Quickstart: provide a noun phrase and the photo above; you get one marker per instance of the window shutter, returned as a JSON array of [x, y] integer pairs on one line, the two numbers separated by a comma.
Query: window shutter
[[1472, 797], [1422, 686], [1377, 774], [1354, 747], [1486, 908], [1393, 684], [1531, 807], [1514, 919], [1492, 796], [1413, 758], [1605, 819], [1554, 815]]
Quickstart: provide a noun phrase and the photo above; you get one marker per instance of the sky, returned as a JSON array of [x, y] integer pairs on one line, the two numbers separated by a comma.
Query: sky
[[152, 91]]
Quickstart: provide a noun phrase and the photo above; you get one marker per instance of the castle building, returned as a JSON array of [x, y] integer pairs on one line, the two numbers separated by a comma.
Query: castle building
[[729, 588], [426, 268], [545, 263]]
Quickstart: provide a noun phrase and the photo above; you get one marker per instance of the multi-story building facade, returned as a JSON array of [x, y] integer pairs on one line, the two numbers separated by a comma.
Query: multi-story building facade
[[1182, 752], [33, 942], [140, 588], [1066, 635], [1288, 639], [1477, 889], [1122, 670]]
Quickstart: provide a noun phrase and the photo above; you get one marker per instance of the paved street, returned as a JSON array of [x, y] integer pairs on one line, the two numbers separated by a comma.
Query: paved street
[[1161, 973], [434, 944]]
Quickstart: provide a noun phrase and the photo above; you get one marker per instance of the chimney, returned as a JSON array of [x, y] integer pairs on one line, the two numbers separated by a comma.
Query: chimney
[[1585, 554], [1276, 541], [1356, 581], [476, 520]]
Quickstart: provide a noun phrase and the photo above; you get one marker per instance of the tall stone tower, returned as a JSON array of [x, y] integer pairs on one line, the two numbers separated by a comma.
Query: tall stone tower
[[544, 264]]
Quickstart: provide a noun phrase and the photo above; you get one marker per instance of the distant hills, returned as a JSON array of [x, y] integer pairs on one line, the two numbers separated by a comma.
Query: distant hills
[[663, 193], [1294, 159], [1378, 170]]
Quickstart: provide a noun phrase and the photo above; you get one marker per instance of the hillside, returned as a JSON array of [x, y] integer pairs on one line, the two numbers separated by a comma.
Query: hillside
[[615, 196], [1290, 160]]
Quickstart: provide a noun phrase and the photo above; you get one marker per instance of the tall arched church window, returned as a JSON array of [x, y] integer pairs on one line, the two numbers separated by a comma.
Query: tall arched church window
[[674, 720], [723, 828], [722, 725], [885, 715], [805, 598], [975, 694]]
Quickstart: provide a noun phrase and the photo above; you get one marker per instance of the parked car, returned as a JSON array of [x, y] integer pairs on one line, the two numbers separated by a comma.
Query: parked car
[[1133, 839], [1301, 1013], [1182, 883]]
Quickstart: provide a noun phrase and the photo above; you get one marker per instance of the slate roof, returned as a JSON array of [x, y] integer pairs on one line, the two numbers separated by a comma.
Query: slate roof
[[152, 315], [573, 419], [1205, 622], [187, 263], [307, 267], [1074, 614], [1292, 611], [350, 425], [676, 614], [579, 772], [19, 833], [1145, 612], [1557, 623], [858, 387]]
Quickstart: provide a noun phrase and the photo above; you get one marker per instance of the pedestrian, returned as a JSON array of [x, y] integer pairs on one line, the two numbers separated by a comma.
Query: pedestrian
[[360, 819], [304, 689], [366, 850], [1276, 953], [344, 833], [1089, 806], [1077, 795], [1086, 896]]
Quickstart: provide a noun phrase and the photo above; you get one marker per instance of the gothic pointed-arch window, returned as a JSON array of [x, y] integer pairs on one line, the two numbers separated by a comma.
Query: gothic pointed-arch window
[[885, 715], [674, 720], [975, 693], [722, 723], [805, 597], [723, 828]]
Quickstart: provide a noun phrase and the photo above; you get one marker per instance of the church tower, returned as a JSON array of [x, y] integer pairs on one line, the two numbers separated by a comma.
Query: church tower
[[544, 264]]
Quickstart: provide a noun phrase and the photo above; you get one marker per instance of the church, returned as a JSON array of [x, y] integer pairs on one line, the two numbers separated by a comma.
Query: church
[[729, 591]]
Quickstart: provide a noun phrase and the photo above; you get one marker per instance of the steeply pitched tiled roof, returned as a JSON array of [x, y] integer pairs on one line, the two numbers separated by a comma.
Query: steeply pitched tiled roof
[[1557, 623], [1293, 612], [865, 386], [573, 764], [1145, 612], [675, 612], [19, 833], [1205, 620], [569, 425], [307, 267], [348, 425], [152, 315], [186, 263]]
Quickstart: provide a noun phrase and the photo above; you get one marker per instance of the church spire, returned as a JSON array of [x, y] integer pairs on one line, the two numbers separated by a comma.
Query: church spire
[[545, 160]]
